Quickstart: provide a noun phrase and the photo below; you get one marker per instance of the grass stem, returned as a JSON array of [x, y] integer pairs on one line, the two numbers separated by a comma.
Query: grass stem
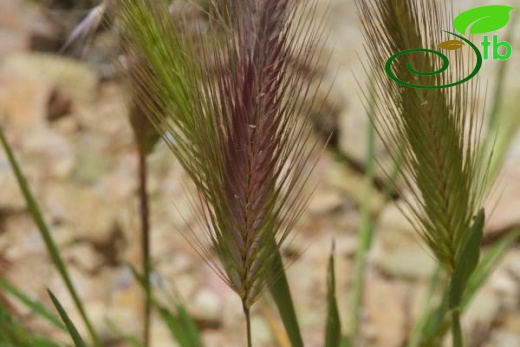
[[145, 245], [456, 329], [365, 232], [281, 294], [247, 314]]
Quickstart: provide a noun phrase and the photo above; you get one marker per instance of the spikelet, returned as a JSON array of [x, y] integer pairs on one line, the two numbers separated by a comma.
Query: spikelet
[[437, 131], [228, 104]]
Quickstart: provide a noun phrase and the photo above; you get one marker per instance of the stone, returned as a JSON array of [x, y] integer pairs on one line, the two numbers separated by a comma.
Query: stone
[[88, 203], [206, 307], [52, 149], [68, 75], [23, 26], [37, 88], [24, 100]]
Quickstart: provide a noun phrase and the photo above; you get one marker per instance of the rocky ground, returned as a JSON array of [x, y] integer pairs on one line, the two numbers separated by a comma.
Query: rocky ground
[[67, 121]]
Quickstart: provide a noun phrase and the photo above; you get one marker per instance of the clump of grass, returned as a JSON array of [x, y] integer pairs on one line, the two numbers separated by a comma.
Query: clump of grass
[[229, 106]]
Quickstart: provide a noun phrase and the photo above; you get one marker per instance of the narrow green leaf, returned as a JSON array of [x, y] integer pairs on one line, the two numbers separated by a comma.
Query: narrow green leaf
[[189, 326], [279, 289], [489, 261], [181, 326], [34, 306], [73, 332], [333, 324], [176, 329], [485, 19], [467, 260], [47, 236]]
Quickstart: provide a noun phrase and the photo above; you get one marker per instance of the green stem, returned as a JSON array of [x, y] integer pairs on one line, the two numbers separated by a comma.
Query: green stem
[[359, 281], [415, 337], [145, 245], [47, 238], [365, 231], [456, 329], [248, 324]]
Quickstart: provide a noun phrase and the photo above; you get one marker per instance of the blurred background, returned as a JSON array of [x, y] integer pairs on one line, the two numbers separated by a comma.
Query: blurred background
[[66, 117]]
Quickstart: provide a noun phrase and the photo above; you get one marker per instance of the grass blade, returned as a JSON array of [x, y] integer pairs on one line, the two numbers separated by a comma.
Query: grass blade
[[489, 261], [34, 306], [279, 289], [74, 334], [181, 326], [46, 235], [333, 325], [468, 259]]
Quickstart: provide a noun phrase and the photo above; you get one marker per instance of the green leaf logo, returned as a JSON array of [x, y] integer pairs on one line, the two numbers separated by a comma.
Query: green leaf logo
[[482, 19]]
